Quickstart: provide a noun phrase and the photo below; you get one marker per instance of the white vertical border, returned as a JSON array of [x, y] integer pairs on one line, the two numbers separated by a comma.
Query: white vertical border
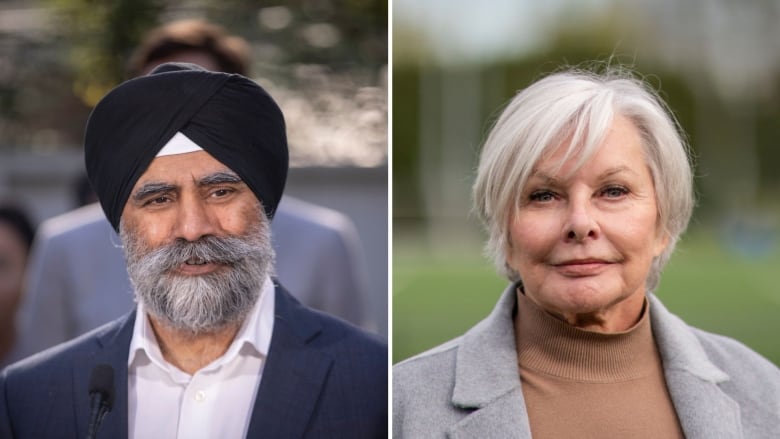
[[390, 218]]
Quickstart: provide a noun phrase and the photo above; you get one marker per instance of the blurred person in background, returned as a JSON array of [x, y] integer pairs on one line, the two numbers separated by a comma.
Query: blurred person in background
[[189, 166], [77, 279], [16, 237], [585, 185]]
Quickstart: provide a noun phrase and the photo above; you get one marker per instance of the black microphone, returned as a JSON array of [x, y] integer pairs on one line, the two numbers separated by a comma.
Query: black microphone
[[101, 393]]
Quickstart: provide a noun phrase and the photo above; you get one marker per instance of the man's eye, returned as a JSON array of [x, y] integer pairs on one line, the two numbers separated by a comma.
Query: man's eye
[[157, 201], [222, 192]]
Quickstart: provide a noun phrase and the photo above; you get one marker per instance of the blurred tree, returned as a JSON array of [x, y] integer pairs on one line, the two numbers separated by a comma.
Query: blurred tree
[[66, 54], [417, 81], [342, 34], [102, 34], [36, 102]]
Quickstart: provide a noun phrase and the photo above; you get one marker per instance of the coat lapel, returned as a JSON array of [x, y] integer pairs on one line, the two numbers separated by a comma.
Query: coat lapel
[[488, 384], [503, 417], [112, 348], [292, 379], [487, 380], [703, 409], [293, 376]]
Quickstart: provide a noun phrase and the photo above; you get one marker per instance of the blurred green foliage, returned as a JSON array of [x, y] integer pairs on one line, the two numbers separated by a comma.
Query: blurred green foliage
[[101, 35]]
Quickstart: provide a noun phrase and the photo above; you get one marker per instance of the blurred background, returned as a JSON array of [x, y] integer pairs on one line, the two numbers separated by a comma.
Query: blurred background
[[324, 61], [457, 62]]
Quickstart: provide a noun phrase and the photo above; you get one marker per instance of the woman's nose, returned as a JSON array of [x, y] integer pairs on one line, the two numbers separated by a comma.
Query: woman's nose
[[580, 223]]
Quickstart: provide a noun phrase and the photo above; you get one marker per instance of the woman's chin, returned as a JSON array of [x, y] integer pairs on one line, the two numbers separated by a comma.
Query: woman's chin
[[590, 303]]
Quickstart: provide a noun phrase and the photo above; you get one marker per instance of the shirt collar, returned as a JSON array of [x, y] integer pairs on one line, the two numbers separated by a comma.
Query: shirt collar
[[255, 333]]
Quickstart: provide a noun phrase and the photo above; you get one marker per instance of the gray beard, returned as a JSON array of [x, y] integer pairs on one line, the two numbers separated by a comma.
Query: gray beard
[[205, 303]]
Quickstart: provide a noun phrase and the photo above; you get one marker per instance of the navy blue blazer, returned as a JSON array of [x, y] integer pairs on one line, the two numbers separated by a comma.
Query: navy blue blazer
[[323, 378]]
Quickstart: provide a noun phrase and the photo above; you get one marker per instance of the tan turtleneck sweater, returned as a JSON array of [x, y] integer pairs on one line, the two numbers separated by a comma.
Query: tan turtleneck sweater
[[582, 384]]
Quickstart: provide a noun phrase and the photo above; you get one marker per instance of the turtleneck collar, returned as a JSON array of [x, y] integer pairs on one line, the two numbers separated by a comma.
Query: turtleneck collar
[[553, 347]]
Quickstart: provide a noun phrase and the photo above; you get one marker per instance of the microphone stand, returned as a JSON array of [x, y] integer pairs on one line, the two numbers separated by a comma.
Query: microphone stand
[[98, 412], [101, 394]]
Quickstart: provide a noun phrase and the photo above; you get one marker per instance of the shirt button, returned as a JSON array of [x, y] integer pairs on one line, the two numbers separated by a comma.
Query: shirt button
[[200, 395]]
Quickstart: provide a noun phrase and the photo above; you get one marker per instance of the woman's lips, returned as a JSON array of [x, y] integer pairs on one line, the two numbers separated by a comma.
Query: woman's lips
[[582, 267]]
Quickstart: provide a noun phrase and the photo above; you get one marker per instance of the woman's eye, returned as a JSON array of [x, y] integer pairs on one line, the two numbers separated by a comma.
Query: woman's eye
[[542, 196], [614, 191]]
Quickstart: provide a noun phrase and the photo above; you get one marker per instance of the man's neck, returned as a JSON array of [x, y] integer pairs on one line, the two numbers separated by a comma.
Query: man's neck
[[191, 352]]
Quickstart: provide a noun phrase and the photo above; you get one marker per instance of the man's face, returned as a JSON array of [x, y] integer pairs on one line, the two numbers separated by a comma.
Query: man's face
[[197, 242], [189, 196]]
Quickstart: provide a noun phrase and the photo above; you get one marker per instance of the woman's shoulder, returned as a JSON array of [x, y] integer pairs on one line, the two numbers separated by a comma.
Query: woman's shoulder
[[436, 361], [738, 360], [677, 338], [753, 381], [422, 392], [432, 370]]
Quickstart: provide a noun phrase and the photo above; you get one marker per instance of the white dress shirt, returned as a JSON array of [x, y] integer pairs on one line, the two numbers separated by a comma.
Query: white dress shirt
[[215, 402]]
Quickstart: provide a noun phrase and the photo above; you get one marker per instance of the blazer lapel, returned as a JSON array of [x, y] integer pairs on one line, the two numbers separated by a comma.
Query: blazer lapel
[[487, 380], [488, 384], [503, 417], [703, 409], [112, 348], [293, 376]]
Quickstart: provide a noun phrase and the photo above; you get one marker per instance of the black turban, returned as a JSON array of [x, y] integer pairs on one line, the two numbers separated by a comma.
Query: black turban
[[229, 116]]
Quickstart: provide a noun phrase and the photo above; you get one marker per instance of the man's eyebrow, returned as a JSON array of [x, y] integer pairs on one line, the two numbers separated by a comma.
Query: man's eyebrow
[[153, 188], [219, 178]]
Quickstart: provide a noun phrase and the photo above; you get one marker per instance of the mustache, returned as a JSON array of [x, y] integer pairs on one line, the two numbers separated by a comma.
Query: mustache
[[197, 304], [227, 250]]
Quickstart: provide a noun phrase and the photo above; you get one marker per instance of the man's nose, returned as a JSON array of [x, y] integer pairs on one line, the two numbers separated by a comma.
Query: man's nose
[[194, 219]]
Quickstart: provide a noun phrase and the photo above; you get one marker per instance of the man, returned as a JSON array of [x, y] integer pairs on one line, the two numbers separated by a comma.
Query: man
[[77, 278], [189, 167]]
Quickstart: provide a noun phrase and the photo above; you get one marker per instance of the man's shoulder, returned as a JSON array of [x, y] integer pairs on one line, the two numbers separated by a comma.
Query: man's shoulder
[[41, 394], [350, 333], [71, 350], [324, 372], [327, 333], [337, 333], [70, 353]]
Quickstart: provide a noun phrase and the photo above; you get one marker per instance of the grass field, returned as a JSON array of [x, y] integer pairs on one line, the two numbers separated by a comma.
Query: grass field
[[439, 296]]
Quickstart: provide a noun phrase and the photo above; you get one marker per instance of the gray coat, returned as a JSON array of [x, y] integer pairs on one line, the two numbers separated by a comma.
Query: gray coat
[[469, 387]]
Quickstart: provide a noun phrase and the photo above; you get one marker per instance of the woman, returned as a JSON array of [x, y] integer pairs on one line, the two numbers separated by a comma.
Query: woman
[[584, 186], [16, 236]]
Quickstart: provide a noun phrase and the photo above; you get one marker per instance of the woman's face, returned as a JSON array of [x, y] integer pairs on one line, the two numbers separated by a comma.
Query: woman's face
[[583, 243], [13, 255]]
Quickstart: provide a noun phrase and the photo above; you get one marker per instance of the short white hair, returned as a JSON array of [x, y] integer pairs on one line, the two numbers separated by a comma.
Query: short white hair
[[579, 106]]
